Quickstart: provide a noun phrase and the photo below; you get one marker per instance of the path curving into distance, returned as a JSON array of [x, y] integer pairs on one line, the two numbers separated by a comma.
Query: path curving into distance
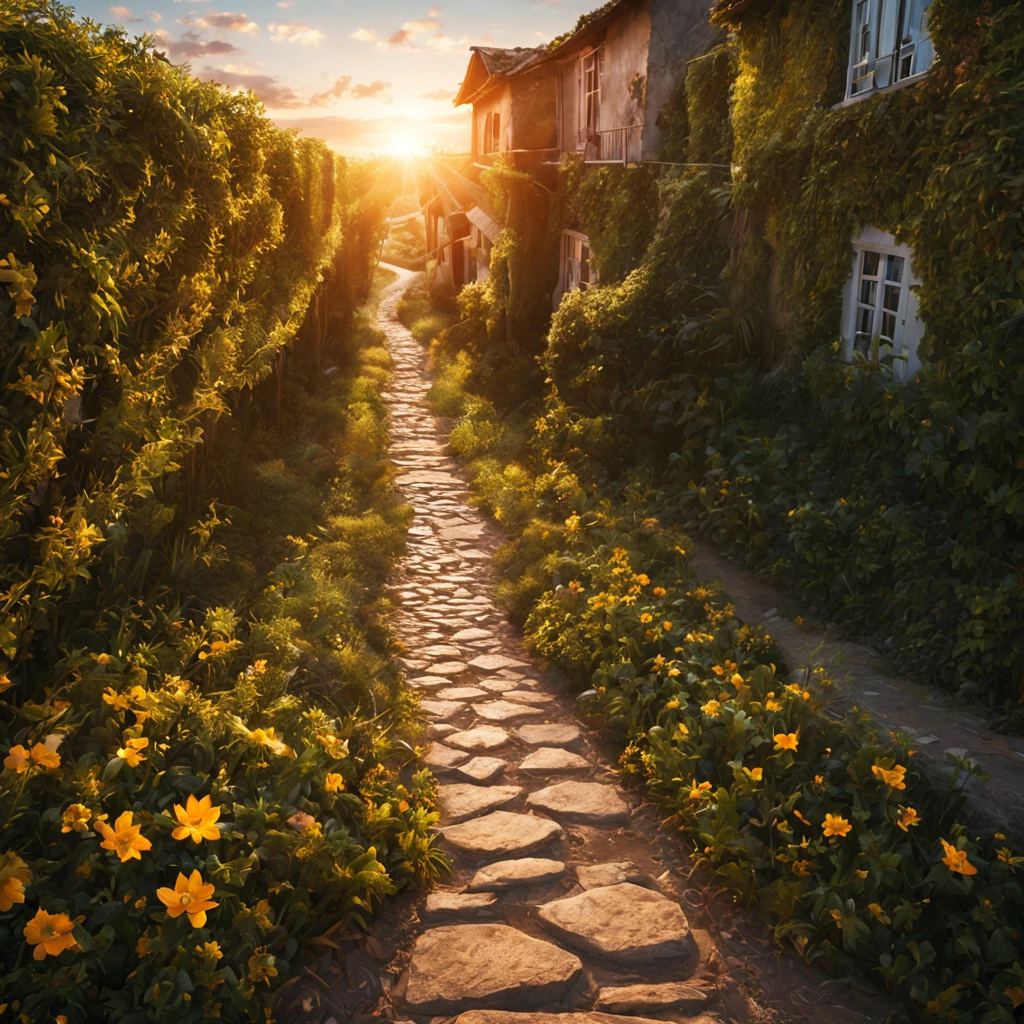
[[560, 901]]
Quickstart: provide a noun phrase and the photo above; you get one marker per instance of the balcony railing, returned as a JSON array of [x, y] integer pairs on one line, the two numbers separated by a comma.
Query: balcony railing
[[608, 145]]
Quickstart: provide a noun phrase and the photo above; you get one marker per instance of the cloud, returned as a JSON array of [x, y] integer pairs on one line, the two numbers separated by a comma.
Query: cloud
[[224, 21], [445, 44], [411, 29], [285, 4], [268, 88], [400, 38], [190, 45], [364, 35], [156, 16], [125, 13], [368, 91], [423, 25], [438, 94], [301, 34], [335, 92]]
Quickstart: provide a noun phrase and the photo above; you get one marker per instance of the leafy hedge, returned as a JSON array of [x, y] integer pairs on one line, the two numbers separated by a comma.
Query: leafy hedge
[[202, 736]]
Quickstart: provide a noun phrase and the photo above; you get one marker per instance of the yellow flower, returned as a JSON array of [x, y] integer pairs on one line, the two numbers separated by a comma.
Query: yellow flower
[[575, 587], [646, 617], [681, 732], [908, 816], [1015, 994], [268, 738], [784, 827], [836, 825], [189, 896], [819, 780], [45, 754], [658, 591], [673, 672], [891, 777], [757, 774], [880, 914], [334, 783], [261, 966], [142, 946], [737, 681], [197, 820], [50, 934], [672, 703], [116, 700], [335, 746], [210, 951], [800, 867], [17, 759], [711, 708], [800, 817], [14, 876], [772, 705], [697, 790], [860, 873], [785, 741], [642, 578], [666, 625], [76, 818], [956, 860], [130, 752], [124, 839], [1005, 854]]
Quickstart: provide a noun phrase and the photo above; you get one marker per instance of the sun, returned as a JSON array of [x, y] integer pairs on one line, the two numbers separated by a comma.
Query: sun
[[404, 144]]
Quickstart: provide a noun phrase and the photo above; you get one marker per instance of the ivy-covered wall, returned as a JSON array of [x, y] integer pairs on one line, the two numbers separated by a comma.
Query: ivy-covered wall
[[709, 362]]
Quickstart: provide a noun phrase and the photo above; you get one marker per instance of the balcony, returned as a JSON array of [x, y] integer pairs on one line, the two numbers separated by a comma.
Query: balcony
[[611, 145]]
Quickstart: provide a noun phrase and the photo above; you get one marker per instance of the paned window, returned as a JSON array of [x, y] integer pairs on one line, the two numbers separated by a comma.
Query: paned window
[[578, 273], [496, 134], [590, 109], [880, 306], [889, 43]]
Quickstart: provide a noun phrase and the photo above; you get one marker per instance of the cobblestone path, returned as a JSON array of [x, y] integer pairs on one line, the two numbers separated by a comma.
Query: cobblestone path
[[559, 901]]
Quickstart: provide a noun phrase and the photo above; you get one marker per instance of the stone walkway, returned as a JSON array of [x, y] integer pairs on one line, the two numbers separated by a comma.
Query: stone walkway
[[560, 902]]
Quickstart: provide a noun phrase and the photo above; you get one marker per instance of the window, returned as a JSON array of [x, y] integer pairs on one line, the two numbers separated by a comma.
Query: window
[[590, 99], [496, 134], [488, 130], [578, 274], [880, 305], [889, 44]]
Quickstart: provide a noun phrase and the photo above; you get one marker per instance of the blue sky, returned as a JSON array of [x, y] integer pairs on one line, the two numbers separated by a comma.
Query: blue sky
[[354, 72]]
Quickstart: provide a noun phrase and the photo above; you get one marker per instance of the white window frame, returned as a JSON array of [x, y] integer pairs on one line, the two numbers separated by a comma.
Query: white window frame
[[588, 114], [890, 46], [575, 272], [866, 313]]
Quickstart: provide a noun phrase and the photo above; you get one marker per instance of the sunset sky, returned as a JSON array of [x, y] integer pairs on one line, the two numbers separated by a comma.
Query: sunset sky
[[359, 74]]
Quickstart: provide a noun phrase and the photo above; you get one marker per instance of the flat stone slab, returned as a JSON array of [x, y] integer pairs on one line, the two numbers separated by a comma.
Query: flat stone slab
[[672, 995], [623, 922], [494, 662], [441, 709], [584, 803], [462, 800], [442, 651], [496, 684], [555, 735], [505, 711], [583, 1017], [428, 682], [506, 874], [482, 769], [439, 730], [553, 759], [459, 905], [446, 668], [528, 697], [440, 756], [461, 693], [486, 966], [473, 634], [594, 876], [502, 834], [482, 737]]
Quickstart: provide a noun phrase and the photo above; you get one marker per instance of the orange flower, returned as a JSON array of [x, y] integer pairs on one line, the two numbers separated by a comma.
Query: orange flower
[[785, 741], [189, 896], [800, 816], [908, 817], [658, 591], [956, 860], [45, 754], [17, 759], [836, 825], [76, 818], [711, 708], [197, 820], [667, 626], [130, 752], [334, 783], [697, 790], [891, 777], [50, 934], [879, 913], [757, 774], [14, 876], [124, 839]]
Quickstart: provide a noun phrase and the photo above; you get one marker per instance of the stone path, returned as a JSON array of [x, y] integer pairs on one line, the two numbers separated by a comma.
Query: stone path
[[557, 911], [924, 713]]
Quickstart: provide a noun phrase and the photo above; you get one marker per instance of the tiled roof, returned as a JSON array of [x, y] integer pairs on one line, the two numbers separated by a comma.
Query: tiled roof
[[509, 61]]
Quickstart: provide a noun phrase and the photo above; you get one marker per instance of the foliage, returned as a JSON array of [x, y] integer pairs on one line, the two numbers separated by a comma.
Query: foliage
[[186, 688]]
